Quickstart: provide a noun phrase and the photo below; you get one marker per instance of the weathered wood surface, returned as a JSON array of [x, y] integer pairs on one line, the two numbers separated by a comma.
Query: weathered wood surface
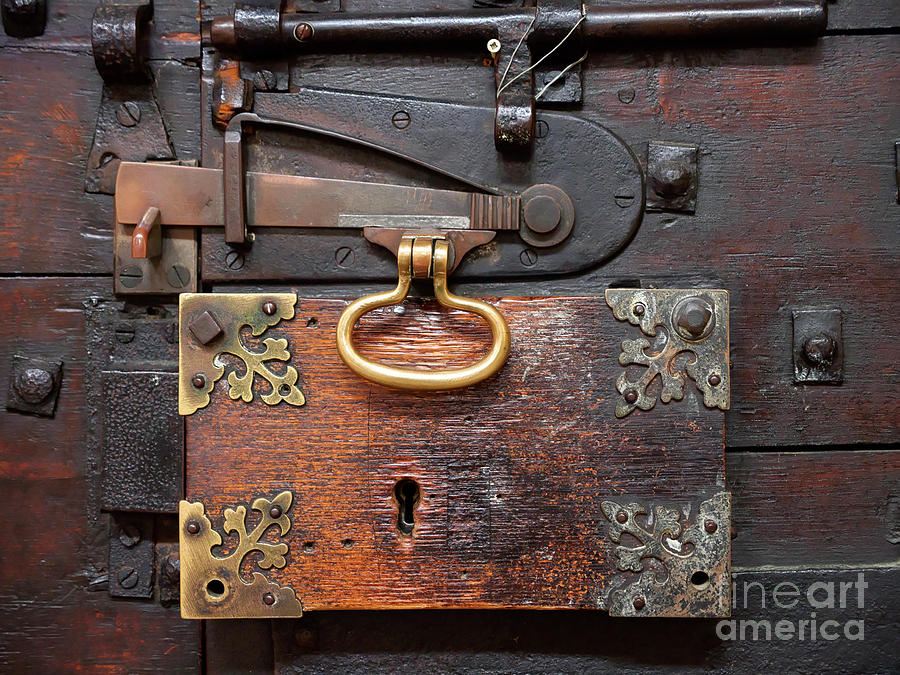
[[55, 612], [511, 471], [581, 642]]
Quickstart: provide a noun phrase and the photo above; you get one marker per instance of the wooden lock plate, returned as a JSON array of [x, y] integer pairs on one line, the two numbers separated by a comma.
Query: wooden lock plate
[[524, 491]]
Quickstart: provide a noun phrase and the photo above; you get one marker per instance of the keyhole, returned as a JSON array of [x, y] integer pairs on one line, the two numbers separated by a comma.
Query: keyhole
[[407, 494]]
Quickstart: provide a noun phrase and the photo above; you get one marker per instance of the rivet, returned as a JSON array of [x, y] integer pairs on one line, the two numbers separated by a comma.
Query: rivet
[[631, 397], [268, 598], [193, 527], [638, 603], [198, 380], [819, 349], [275, 511], [694, 318], [714, 380], [269, 308], [33, 385], [710, 526], [639, 309], [622, 517]]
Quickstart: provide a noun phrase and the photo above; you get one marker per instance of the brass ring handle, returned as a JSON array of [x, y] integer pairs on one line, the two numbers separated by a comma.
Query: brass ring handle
[[411, 261]]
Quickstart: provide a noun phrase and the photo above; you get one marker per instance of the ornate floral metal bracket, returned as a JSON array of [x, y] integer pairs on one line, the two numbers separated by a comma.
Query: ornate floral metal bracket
[[210, 325], [212, 587], [695, 324], [681, 569]]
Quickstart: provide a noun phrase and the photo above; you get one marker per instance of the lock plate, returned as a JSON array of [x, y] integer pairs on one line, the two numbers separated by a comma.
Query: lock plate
[[489, 496]]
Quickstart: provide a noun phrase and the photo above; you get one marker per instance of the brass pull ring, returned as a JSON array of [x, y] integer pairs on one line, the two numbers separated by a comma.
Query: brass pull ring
[[423, 256]]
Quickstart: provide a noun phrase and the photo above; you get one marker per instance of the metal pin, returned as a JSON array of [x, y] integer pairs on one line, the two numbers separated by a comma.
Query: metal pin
[[493, 46]]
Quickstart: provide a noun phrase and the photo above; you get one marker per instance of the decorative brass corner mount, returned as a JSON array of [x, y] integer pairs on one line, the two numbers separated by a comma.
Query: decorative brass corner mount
[[211, 586], [694, 322], [210, 324], [696, 558]]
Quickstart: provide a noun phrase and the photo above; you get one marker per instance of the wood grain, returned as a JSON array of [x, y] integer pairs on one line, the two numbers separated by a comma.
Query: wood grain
[[511, 471], [55, 613]]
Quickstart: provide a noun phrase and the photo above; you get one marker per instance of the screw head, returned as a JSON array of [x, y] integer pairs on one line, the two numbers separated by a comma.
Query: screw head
[[33, 385], [178, 276], [710, 526], [130, 536], [303, 32], [234, 260], [269, 308], [345, 257], [820, 349], [275, 511], [268, 598], [198, 380], [694, 318], [714, 380], [265, 80], [638, 603], [193, 527], [130, 276], [622, 517], [631, 397], [493, 46], [401, 119], [542, 214], [128, 114], [639, 309], [626, 95], [127, 577], [528, 257]]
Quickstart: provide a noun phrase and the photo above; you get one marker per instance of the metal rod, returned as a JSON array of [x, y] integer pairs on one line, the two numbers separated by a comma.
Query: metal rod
[[472, 28]]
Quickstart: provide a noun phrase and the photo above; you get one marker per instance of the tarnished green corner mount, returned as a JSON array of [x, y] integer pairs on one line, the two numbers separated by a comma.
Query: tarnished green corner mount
[[212, 587], [681, 564], [209, 326], [694, 322]]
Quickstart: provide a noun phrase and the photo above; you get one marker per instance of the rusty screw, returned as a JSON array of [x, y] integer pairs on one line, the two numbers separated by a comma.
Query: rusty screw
[[819, 350], [694, 318], [265, 80], [268, 598], [124, 333], [400, 119], [714, 380], [130, 536], [638, 603], [269, 308], [275, 511], [127, 577], [626, 95], [303, 32], [710, 526], [193, 527], [130, 276], [33, 385], [528, 257], [234, 260], [622, 517], [128, 114], [178, 276], [345, 257], [631, 397]]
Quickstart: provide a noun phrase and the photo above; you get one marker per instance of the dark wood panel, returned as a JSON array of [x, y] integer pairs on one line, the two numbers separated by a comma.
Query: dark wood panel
[[55, 613], [511, 472], [504, 641], [814, 509]]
